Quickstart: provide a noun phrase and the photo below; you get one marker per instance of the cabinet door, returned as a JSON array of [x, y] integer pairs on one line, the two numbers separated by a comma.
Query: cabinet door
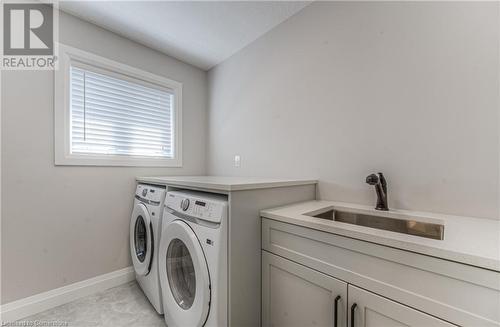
[[370, 310], [294, 295]]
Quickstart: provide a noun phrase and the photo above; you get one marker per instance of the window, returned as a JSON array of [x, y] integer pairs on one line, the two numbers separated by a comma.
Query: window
[[110, 114]]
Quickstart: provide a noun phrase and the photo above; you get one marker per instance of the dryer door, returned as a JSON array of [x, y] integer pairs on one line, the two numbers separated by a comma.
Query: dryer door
[[184, 277], [141, 239]]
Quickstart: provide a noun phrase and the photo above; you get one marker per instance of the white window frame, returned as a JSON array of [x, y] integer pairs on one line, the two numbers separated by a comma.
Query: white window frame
[[62, 116]]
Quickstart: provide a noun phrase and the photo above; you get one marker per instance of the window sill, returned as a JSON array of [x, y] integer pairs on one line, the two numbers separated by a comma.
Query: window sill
[[116, 161]]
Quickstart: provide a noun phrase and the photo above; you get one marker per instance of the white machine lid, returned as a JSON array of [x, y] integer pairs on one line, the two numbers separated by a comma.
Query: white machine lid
[[141, 239], [184, 277]]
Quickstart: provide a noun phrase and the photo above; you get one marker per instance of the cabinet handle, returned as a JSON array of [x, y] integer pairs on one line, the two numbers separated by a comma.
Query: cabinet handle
[[353, 308], [335, 311]]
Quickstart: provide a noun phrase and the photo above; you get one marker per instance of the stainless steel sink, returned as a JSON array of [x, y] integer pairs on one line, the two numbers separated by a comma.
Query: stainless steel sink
[[411, 227]]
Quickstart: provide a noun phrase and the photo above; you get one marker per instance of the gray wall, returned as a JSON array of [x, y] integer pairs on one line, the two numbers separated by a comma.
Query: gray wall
[[61, 225], [341, 90]]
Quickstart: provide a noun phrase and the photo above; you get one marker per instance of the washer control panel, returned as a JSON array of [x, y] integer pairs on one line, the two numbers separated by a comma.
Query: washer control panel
[[205, 206]]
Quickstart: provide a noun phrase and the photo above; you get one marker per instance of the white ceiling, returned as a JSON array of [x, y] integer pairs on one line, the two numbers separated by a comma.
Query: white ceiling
[[200, 33]]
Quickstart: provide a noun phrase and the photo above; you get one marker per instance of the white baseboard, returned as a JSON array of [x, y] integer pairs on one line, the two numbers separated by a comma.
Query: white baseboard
[[31, 305]]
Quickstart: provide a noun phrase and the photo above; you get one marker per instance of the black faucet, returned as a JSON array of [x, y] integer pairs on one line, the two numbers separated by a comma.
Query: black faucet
[[381, 188]]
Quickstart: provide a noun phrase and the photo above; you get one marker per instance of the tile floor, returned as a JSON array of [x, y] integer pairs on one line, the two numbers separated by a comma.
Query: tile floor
[[125, 305]]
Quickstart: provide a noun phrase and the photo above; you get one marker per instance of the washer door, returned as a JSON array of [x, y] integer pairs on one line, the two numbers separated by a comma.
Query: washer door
[[184, 277], [141, 239]]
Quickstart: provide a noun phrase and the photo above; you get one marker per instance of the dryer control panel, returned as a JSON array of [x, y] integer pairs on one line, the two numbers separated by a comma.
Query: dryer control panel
[[149, 194], [201, 205]]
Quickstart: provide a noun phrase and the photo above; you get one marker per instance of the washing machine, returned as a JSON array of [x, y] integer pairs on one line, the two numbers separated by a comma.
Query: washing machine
[[145, 231], [193, 259]]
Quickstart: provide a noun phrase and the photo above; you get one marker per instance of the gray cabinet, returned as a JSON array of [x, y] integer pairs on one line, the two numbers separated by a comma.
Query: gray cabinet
[[410, 288], [370, 310], [294, 295]]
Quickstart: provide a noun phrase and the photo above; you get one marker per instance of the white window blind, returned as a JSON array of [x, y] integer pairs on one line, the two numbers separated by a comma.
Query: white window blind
[[110, 115]]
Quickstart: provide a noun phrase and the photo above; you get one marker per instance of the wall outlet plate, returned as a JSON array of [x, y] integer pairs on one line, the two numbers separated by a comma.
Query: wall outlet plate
[[237, 161]]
